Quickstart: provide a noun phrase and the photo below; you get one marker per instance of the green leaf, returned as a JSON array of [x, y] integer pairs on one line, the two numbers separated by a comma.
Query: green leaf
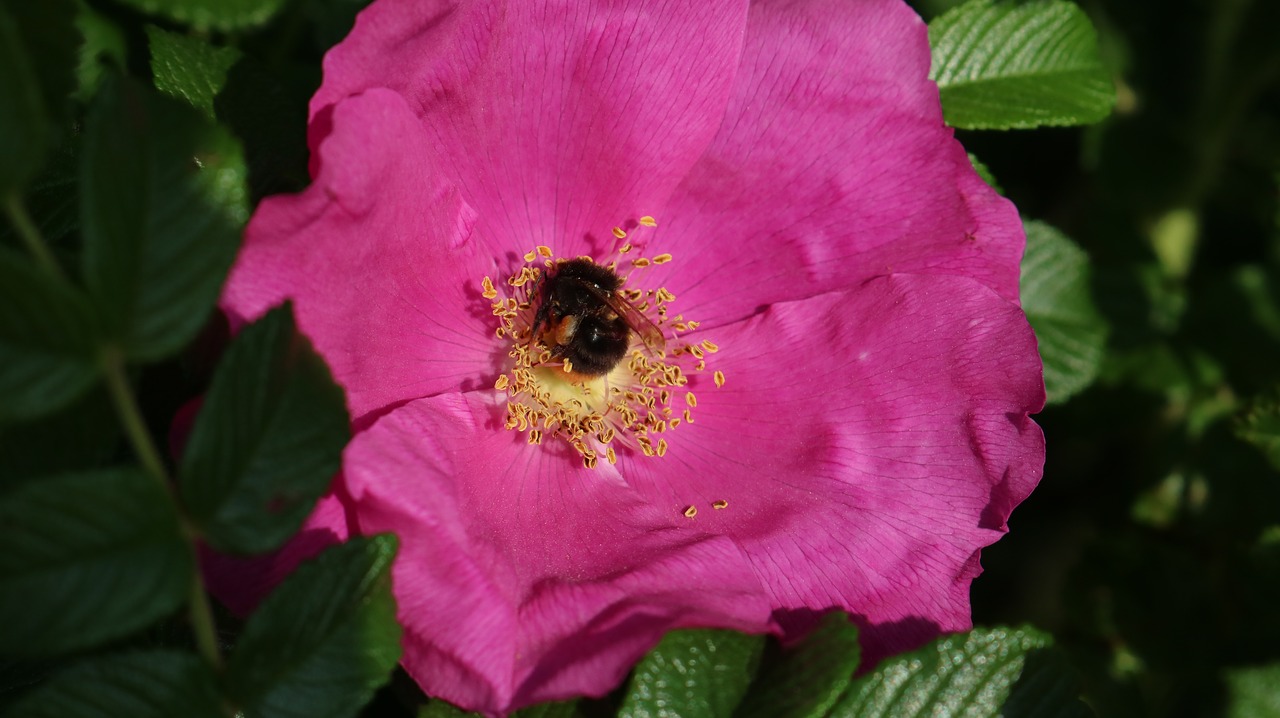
[[324, 641], [154, 684], [86, 558], [566, 709], [104, 46], [188, 68], [267, 441], [47, 29], [809, 678], [436, 708], [46, 341], [1006, 65], [969, 674], [1254, 692], [701, 673], [81, 437], [1260, 425], [1047, 688], [162, 201], [24, 124], [1055, 295], [985, 173], [216, 14]]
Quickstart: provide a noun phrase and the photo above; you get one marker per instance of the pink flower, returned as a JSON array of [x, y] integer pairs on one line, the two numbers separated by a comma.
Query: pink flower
[[860, 434]]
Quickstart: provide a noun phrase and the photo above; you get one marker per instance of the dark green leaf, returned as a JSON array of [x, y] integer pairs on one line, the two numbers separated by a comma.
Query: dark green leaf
[[567, 709], [155, 684], [216, 14], [967, 674], [268, 439], [1047, 688], [1260, 425], [700, 673], [985, 173], [436, 708], [324, 641], [1255, 692], [46, 341], [80, 437], [162, 198], [86, 558], [1005, 65], [104, 46], [809, 678], [24, 122], [1055, 295], [47, 30], [17, 678], [189, 68]]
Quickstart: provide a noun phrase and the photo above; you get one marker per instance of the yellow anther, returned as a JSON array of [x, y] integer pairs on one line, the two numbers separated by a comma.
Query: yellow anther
[[640, 262], [721, 504], [690, 399], [488, 290], [617, 232], [648, 221], [544, 250], [501, 383], [719, 378], [690, 511], [662, 259], [710, 346]]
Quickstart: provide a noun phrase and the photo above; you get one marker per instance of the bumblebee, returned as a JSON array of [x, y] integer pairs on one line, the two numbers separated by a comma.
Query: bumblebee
[[584, 318]]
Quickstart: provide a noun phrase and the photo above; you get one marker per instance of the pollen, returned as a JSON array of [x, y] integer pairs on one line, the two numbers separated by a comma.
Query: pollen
[[635, 411]]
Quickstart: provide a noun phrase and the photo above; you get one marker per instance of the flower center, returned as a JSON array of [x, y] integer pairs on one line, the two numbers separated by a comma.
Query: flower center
[[596, 358]]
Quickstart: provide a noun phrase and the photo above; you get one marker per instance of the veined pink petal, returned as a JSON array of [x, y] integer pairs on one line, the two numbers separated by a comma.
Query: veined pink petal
[[522, 576], [380, 261], [832, 166], [868, 444], [557, 120]]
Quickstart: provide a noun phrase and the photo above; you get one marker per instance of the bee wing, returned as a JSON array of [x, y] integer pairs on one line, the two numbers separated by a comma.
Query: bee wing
[[649, 332]]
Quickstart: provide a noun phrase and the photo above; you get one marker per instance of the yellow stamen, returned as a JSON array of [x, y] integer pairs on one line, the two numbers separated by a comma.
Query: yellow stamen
[[691, 511], [721, 504], [719, 378]]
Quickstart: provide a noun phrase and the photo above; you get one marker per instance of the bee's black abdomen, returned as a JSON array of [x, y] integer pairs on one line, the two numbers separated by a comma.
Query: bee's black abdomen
[[589, 271], [600, 345]]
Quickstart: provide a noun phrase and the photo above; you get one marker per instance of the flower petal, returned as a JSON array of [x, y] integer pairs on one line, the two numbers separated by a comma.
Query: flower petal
[[868, 444], [522, 576], [377, 256], [832, 166], [555, 119]]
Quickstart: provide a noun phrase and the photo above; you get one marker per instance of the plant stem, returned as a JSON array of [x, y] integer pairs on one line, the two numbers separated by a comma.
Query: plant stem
[[30, 235], [199, 612], [202, 625], [131, 416]]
